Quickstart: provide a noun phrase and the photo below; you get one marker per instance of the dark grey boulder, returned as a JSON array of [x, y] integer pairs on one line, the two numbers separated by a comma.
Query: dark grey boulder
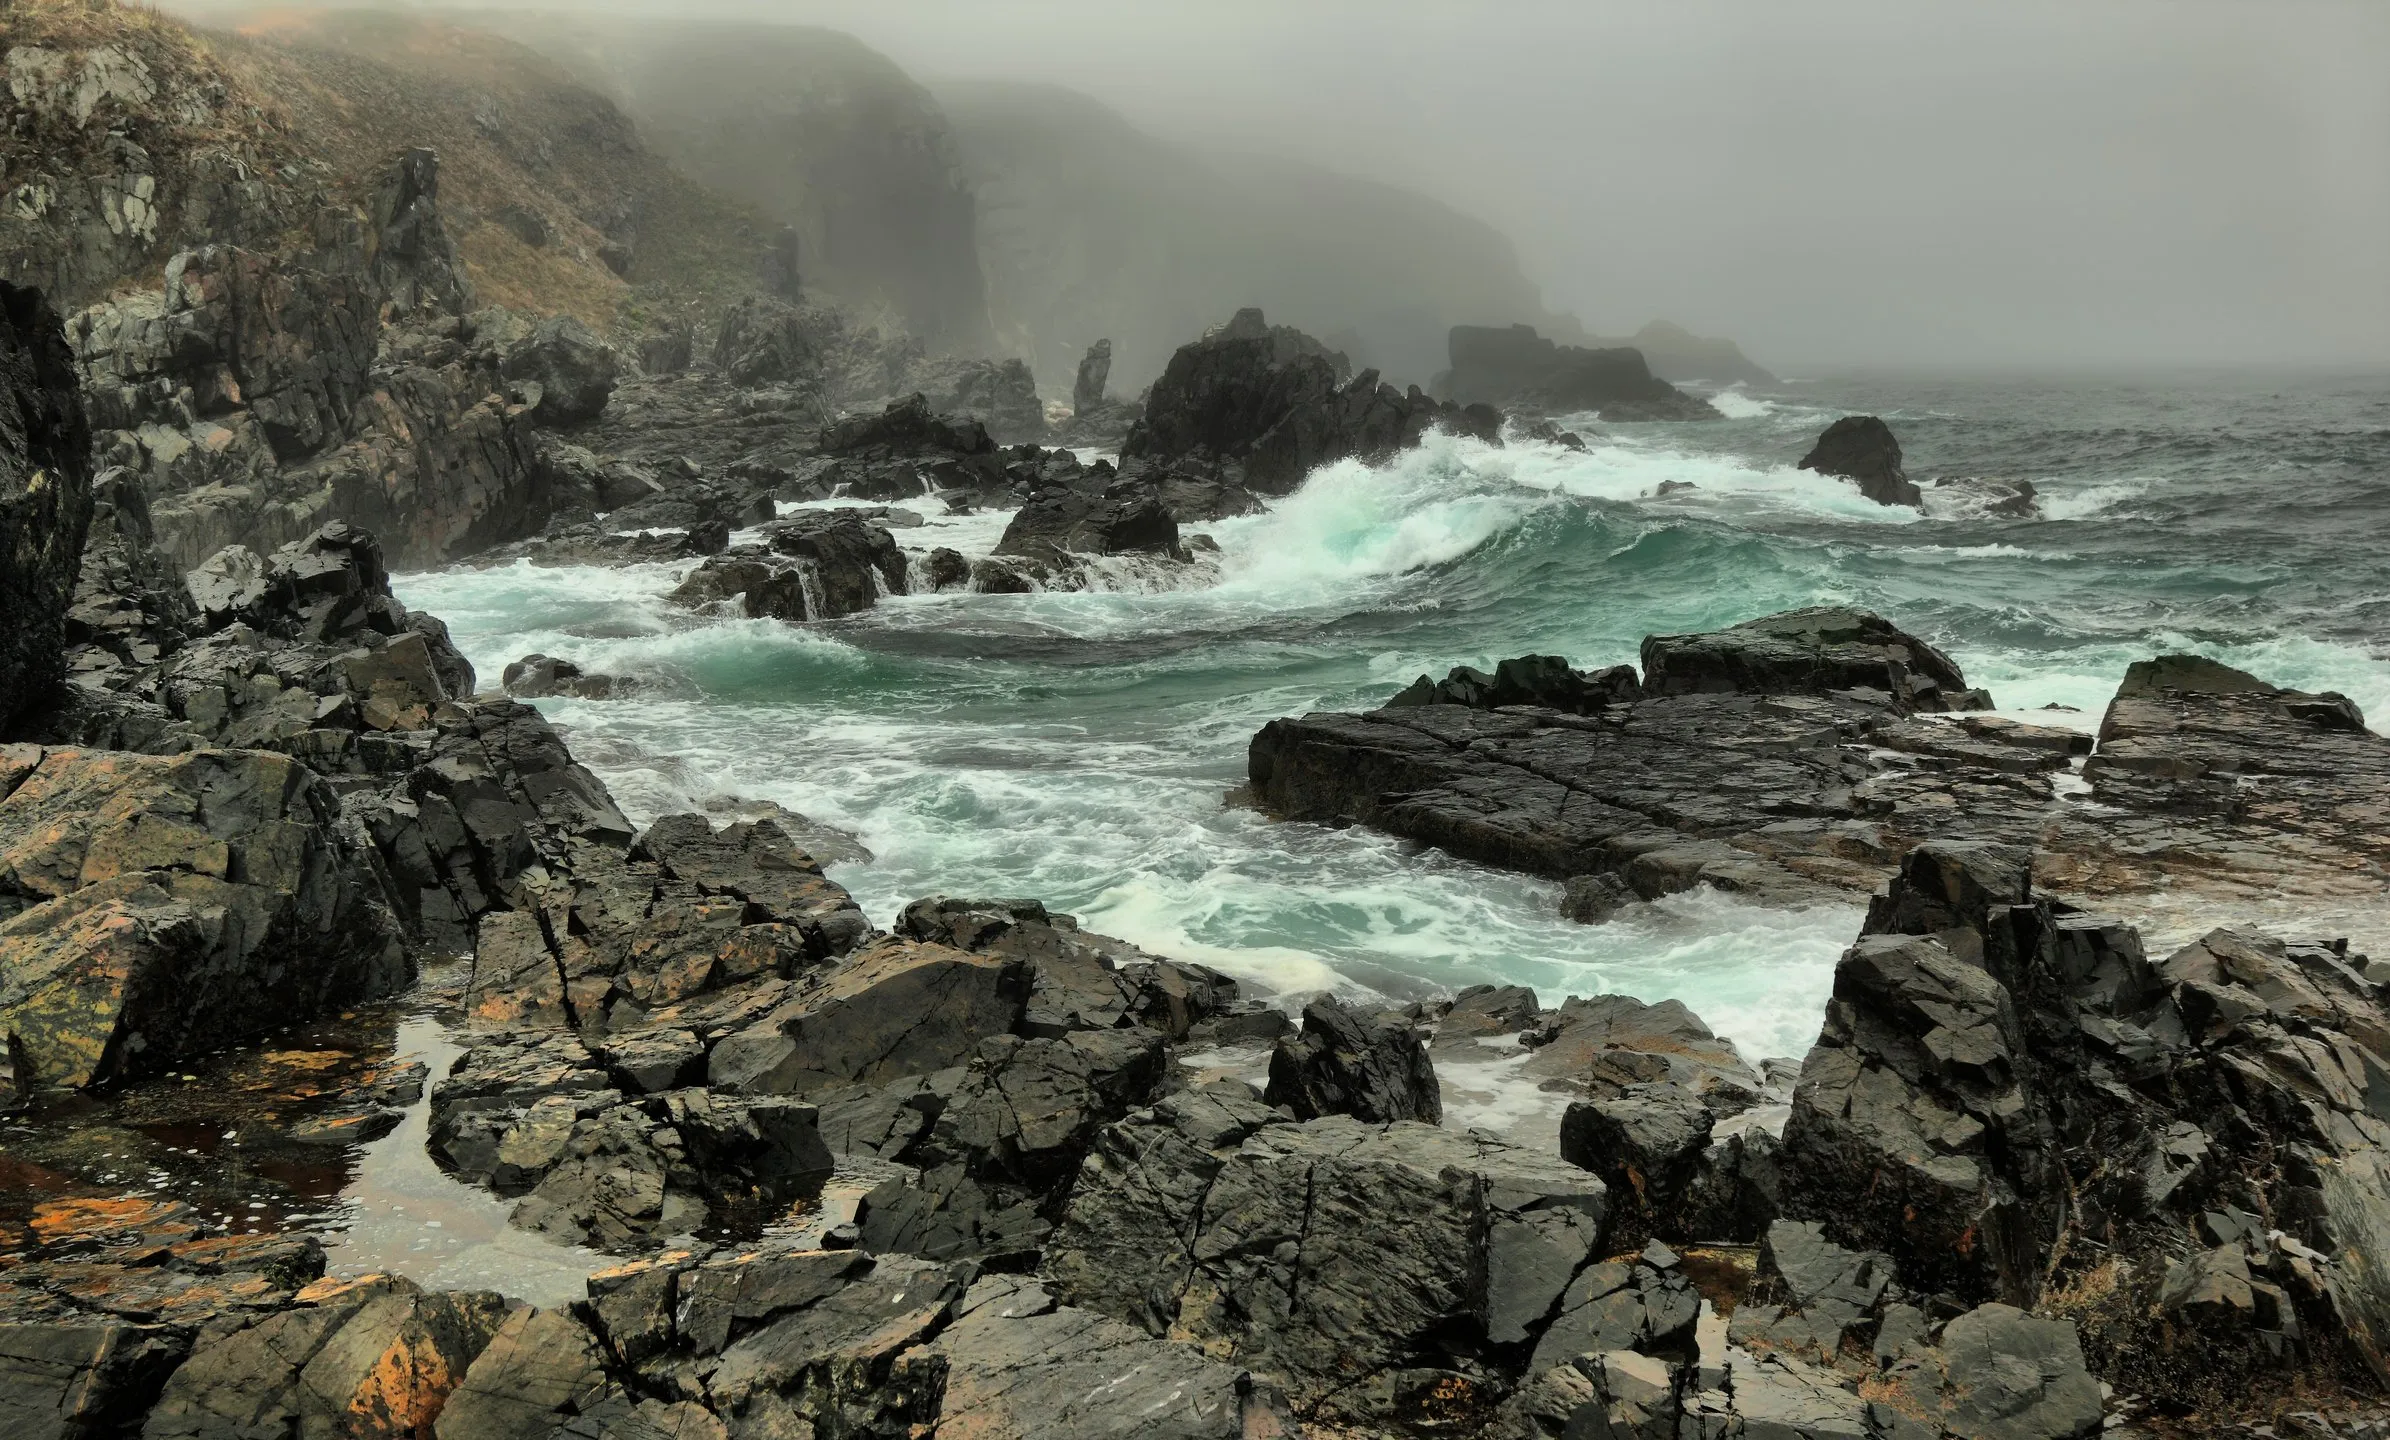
[[572, 371], [1362, 1264], [1809, 652], [1347, 1064], [1019, 1366], [1863, 448]]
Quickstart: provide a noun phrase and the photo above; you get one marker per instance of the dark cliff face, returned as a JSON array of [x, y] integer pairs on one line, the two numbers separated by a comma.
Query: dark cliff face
[[819, 132], [45, 497]]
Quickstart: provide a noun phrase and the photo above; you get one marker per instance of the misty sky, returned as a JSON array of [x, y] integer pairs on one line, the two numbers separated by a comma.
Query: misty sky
[[1830, 183]]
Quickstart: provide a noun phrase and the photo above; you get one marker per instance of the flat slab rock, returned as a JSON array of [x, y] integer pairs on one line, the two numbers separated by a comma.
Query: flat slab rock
[[2211, 783]]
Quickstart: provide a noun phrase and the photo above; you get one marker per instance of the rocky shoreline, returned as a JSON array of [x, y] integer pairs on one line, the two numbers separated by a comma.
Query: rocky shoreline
[[985, 1172]]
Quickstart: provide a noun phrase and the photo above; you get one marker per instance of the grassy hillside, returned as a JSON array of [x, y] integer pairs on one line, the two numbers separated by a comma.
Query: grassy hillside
[[556, 202]]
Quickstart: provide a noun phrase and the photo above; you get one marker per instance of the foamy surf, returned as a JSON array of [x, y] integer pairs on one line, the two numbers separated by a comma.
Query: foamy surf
[[1078, 746]]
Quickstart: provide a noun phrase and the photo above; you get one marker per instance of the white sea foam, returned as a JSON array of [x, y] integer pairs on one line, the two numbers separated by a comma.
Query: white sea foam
[[1040, 745], [1732, 403]]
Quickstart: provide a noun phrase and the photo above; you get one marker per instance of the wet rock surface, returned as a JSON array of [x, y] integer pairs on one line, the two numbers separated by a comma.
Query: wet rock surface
[[1805, 753], [1262, 406], [1863, 448]]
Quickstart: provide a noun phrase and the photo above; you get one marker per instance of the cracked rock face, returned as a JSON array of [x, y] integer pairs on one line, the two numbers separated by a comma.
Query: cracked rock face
[[1364, 1264], [45, 497], [1800, 756]]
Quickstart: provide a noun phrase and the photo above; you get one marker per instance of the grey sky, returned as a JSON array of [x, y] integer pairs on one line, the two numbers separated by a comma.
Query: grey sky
[[1830, 182]]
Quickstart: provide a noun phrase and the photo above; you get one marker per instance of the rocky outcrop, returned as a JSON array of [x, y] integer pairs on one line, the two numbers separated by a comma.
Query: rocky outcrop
[[1058, 522], [1263, 406], [1095, 371], [1514, 366], [45, 498], [561, 371], [261, 393], [1377, 1270], [1341, 1063], [1803, 754], [815, 565], [159, 908], [537, 677], [1862, 448], [1677, 355], [1000, 394], [1810, 652]]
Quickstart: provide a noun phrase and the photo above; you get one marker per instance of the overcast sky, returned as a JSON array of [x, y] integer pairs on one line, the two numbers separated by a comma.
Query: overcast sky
[[1831, 182]]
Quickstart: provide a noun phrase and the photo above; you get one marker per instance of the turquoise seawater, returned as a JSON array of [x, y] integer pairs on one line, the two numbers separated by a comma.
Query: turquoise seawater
[[1079, 748]]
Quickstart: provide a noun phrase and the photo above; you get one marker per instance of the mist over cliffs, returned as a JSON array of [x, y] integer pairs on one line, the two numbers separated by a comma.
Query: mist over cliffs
[[1091, 228], [816, 130]]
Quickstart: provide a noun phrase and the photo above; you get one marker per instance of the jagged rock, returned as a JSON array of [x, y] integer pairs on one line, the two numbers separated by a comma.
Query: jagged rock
[[1513, 365], [2002, 1374], [814, 565], [1809, 652], [1482, 1014], [895, 1009], [755, 862], [377, 1351], [413, 262], [1000, 394], [74, 1377], [571, 370], [1645, 1305], [1019, 1366], [1362, 1265], [908, 426], [536, 677], [131, 610], [45, 498], [159, 908], [1079, 980], [1540, 680], [1346, 1064], [1087, 388], [1059, 523], [1263, 406], [1607, 1045], [1771, 777], [1824, 1293], [1910, 1129], [1862, 448], [541, 1369], [764, 340]]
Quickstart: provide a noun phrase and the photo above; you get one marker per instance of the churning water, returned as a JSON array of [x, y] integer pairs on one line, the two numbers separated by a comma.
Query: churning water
[[1079, 748]]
